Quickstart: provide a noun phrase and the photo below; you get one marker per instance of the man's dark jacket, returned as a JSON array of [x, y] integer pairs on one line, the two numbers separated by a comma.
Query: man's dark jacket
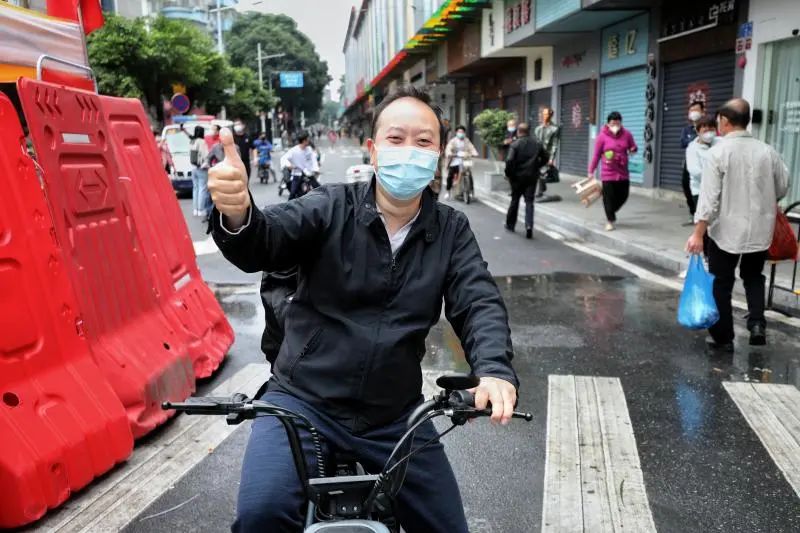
[[356, 327], [525, 157]]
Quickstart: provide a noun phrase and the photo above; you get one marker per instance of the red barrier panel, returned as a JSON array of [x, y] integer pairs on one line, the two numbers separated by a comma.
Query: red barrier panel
[[164, 237], [136, 347], [61, 424]]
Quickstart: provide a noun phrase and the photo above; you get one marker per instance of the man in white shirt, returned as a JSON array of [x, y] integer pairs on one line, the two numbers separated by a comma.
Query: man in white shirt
[[301, 159], [743, 180]]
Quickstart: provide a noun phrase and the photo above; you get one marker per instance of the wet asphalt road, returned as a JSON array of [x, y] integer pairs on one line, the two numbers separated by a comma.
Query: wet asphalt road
[[704, 468]]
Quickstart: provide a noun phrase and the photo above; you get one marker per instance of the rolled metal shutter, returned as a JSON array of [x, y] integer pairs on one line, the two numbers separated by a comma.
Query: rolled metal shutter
[[684, 81], [574, 120], [625, 92]]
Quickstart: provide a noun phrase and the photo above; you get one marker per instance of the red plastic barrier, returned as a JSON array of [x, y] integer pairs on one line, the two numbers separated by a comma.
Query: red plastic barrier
[[135, 345], [164, 237], [61, 424]]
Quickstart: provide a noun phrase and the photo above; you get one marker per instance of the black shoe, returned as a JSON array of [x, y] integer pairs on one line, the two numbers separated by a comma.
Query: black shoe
[[529, 233], [508, 228], [539, 195], [758, 336], [719, 347]]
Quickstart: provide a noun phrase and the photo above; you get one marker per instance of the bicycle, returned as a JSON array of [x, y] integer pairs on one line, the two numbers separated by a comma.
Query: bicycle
[[463, 184], [351, 499]]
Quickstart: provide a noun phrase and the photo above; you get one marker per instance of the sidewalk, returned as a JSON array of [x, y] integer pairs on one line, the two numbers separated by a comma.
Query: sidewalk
[[648, 229]]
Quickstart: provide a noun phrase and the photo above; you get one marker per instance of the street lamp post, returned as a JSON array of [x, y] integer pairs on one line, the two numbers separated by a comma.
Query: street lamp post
[[261, 84]]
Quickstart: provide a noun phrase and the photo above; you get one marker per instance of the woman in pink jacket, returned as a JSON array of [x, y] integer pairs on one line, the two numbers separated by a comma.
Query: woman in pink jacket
[[614, 144]]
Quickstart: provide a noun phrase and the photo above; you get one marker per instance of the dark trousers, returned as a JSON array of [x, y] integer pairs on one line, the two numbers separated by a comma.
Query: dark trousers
[[615, 194], [452, 172], [723, 265], [271, 496], [519, 190], [297, 181], [691, 200]]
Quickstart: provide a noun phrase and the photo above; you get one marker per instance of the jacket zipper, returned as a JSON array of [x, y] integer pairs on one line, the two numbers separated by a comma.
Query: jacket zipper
[[303, 352]]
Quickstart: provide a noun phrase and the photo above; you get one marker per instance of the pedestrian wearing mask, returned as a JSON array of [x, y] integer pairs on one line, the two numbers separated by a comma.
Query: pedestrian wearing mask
[[697, 154], [511, 136], [548, 133], [696, 112], [743, 180], [244, 143], [457, 149], [613, 145]]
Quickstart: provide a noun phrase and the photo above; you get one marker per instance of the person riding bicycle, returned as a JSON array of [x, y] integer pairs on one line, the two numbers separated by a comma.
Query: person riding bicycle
[[458, 149], [302, 161], [264, 152], [375, 260]]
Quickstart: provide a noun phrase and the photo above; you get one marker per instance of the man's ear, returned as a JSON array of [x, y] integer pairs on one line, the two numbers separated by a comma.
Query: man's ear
[[373, 152]]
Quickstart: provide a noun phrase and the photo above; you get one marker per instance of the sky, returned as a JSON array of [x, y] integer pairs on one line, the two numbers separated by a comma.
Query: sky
[[323, 21]]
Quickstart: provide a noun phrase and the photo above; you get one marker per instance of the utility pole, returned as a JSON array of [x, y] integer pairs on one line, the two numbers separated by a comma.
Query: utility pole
[[262, 58], [220, 48]]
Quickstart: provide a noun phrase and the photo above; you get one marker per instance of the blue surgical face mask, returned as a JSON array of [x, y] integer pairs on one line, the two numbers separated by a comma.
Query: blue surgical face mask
[[405, 171]]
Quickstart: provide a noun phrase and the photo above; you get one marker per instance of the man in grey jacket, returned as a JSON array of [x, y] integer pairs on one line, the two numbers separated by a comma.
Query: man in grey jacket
[[548, 133], [742, 182]]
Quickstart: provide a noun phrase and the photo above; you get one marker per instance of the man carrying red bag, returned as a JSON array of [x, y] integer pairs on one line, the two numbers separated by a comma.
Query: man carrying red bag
[[743, 179]]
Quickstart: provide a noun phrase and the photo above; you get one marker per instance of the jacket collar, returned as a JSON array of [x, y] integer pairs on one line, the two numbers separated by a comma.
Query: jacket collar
[[738, 133], [427, 220]]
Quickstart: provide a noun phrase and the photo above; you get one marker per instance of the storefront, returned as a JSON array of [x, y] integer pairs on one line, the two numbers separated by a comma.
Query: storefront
[[623, 84], [576, 68], [696, 48], [771, 80]]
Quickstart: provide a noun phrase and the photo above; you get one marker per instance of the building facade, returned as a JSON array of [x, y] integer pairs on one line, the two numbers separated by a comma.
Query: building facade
[[647, 59]]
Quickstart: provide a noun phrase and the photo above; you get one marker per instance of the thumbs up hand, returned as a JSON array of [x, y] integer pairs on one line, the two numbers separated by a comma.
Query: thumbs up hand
[[227, 183]]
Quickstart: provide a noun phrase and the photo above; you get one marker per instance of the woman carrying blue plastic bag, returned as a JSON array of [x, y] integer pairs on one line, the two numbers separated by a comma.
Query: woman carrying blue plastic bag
[[697, 308]]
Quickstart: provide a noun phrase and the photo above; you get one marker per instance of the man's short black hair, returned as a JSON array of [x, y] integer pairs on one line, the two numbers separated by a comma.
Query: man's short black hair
[[461, 128], [698, 102], [706, 122], [302, 137], [409, 91], [737, 111], [614, 115]]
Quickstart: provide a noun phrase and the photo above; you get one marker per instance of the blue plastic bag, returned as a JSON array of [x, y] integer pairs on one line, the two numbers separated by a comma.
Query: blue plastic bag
[[697, 308]]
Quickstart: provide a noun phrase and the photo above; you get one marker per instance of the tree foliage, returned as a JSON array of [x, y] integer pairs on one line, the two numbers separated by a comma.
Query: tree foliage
[[279, 34], [133, 60], [491, 124]]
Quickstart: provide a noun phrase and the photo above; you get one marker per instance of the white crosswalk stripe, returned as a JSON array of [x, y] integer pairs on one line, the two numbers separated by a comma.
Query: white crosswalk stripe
[[773, 411], [593, 479]]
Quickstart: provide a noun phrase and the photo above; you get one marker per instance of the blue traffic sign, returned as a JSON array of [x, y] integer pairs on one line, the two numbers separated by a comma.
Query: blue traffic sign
[[180, 102], [291, 80]]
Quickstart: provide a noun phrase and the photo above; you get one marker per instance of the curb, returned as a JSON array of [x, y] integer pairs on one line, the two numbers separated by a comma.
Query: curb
[[617, 242]]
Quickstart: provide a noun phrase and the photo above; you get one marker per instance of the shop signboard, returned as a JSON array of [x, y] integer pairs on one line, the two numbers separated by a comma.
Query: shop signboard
[[625, 44]]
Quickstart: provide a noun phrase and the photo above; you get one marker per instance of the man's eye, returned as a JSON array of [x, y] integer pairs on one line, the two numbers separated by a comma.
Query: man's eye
[[394, 138]]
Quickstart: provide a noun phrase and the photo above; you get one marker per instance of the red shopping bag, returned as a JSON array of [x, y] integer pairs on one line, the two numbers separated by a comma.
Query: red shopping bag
[[784, 241]]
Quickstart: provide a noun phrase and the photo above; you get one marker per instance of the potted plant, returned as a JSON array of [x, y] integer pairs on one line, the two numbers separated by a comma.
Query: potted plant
[[491, 127]]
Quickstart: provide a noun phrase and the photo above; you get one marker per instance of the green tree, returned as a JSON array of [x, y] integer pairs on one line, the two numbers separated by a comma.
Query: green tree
[[491, 124], [117, 57], [279, 34], [133, 60]]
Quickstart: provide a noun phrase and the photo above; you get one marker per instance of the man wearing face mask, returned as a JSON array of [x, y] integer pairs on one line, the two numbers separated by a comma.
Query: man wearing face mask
[[375, 262], [697, 153], [245, 144], [696, 111], [458, 149]]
